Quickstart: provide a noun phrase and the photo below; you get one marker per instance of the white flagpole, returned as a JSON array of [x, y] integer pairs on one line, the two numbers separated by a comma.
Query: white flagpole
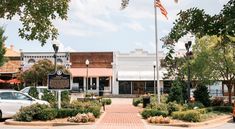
[[157, 62]]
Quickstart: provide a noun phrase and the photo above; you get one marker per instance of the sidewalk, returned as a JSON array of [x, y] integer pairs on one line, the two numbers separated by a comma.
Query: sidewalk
[[121, 115]]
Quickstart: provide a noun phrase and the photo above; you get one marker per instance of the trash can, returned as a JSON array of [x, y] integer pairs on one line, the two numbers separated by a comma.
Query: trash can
[[101, 93], [146, 101]]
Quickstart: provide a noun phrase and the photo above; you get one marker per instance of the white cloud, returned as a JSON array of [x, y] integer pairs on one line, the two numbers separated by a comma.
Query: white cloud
[[135, 26]]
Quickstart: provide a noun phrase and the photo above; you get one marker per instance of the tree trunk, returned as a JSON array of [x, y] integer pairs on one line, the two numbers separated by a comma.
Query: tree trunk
[[229, 93], [233, 89]]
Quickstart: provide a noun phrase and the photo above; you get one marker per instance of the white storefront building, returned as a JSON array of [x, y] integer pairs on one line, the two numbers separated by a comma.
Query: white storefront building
[[133, 73], [30, 58]]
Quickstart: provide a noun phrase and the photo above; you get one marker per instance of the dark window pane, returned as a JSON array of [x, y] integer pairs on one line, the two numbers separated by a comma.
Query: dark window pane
[[124, 87]]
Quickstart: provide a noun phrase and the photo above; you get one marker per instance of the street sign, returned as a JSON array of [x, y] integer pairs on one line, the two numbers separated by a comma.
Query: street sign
[[59, 81]]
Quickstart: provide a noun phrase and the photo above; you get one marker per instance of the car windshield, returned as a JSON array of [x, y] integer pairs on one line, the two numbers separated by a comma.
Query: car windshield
[[25, 90], [20, 96]]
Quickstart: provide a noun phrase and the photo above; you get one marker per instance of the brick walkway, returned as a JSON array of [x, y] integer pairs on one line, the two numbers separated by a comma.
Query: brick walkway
[[121, 115]]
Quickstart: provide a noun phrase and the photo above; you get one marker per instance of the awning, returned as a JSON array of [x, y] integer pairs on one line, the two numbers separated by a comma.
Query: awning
[[138, 75], [94, 72]]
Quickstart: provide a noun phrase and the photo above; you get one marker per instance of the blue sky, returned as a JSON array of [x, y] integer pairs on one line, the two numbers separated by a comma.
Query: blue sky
[[100, 25]]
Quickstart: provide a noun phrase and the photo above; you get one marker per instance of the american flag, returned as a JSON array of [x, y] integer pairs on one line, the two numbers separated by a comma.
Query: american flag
[[162, 9]]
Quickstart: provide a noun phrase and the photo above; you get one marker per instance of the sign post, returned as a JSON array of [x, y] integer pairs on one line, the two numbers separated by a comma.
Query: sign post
[[59, 81]]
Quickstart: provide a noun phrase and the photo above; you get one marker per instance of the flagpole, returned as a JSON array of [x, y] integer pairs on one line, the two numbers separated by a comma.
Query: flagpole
[[157, 63]]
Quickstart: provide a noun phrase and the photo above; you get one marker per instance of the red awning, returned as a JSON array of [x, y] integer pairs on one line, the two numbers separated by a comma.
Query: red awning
[[14, 81], [94, 72], [2, 81]]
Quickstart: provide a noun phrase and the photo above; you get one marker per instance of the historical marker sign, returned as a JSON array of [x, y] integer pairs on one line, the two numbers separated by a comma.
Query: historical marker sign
[[58, 81]]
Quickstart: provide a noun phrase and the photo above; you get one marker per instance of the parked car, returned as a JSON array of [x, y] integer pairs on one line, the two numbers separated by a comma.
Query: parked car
[[234, 112], [40, 90], [11, 101]]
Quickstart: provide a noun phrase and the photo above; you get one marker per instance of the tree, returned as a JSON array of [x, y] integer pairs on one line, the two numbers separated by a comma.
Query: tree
[[36, 17], [214, 60], [201, 94], [38, 73], [176, 93], [2, 48], [198, 23]]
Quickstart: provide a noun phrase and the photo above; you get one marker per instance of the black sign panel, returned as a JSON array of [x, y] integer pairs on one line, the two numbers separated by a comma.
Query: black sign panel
[[58, 81]]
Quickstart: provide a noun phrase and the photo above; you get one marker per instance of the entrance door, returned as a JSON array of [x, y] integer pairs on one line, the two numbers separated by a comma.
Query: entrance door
[[138, 87]]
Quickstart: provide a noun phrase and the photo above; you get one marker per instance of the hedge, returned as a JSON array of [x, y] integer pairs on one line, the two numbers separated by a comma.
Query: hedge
[[153, 112], [106, 101], [190, 115], [47, 114]]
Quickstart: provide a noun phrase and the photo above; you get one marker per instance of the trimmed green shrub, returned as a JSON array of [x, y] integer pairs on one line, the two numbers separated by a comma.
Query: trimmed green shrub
[[106, 101], [65, 112], [47, 114], [29, 113], [33, 92], [190, 115], [153, 112], [201, 94], [137, 101], [49, 97], [172, 107], [160, 107], [223, 109], [195, 105]]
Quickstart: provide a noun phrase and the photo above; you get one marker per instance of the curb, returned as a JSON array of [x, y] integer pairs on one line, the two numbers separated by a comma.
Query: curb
[[221, 119], [43, 123]]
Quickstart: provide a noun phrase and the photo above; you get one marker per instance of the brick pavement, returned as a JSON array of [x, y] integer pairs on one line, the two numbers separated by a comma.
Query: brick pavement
[[121, 115]]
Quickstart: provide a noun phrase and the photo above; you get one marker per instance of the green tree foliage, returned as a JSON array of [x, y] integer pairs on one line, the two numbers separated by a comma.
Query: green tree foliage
[[2, 49], [176, 93], [33, 92], [198, 23], [36, 16], [214, 60], [201, 94], [38, 73]]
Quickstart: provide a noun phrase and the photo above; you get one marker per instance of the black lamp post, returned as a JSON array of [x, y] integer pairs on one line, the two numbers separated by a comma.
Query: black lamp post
[[87, 64], [55, 45], [188, 55], [154, 82]]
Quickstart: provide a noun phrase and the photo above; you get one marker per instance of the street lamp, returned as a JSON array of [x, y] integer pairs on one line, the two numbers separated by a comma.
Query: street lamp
[[87, 63], [154, 82], [55, 45], [188, 55]]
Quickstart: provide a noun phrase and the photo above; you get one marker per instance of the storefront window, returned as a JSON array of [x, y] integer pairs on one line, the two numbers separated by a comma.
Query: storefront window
[[149, 87], [92, 83], [79, 83], [124, 87], [104, 83]]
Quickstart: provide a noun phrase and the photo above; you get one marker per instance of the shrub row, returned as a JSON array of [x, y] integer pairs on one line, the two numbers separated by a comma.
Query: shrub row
[[222, 109], [43, 112], [190, 115], [195, 115], [106, 101], [137, 101], [153, 112]]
